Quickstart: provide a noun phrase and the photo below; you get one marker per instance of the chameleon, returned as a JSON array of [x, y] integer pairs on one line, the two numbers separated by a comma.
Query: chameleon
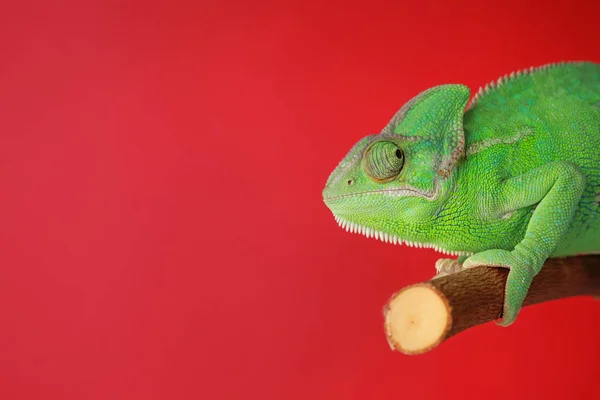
[[507, 179]]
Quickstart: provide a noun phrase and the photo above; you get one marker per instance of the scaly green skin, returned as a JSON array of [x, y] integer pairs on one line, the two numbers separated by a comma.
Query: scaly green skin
[[510, 182]]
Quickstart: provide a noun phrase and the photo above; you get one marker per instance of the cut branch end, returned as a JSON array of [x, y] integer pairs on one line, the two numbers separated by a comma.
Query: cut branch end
[[417, 319]]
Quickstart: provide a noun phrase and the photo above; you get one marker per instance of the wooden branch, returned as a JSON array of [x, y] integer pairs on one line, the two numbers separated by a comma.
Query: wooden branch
[[420, 317]]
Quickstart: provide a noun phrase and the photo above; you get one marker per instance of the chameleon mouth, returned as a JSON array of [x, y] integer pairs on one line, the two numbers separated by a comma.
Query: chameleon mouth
[[397, 192], [389, 238]]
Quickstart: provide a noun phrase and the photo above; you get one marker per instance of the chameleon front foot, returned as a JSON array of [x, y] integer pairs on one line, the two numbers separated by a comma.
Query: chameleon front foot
[[517, 284], [447, 266]]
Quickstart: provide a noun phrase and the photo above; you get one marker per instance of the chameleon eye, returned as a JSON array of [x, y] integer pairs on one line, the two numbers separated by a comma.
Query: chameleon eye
[[383, 161]]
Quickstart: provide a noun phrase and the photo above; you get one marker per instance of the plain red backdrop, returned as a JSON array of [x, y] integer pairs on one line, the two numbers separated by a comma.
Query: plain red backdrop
[[162, 234]]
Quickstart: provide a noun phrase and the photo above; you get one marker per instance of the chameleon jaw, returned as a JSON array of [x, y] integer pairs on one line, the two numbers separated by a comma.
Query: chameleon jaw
[[389, 238]]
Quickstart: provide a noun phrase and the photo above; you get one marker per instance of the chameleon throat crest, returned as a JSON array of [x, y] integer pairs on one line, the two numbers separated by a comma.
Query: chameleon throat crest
[[388, 238]]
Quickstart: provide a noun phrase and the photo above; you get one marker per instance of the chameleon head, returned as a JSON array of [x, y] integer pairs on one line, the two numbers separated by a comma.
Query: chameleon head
[[392, 185]]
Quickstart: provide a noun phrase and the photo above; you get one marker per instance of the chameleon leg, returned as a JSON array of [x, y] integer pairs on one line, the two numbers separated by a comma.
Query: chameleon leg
[[556, 189]]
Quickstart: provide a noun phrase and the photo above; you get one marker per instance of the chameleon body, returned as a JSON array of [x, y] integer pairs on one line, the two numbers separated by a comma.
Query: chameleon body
[[509, 181]]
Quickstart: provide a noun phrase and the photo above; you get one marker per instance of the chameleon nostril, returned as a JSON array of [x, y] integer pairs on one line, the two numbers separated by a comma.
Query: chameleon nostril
[[350, 182]]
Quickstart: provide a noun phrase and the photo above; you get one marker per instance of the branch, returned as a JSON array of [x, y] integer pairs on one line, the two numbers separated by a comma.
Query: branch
[[420, 317]]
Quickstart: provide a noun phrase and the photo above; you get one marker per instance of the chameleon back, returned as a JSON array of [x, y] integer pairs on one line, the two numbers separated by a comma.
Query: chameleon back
[[529, 119]]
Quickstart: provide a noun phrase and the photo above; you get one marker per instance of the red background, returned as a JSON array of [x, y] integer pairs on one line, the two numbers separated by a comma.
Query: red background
[[162, 233]]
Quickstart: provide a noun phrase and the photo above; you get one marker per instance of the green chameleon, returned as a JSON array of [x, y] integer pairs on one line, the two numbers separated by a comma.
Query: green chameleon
[[511, 181]]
